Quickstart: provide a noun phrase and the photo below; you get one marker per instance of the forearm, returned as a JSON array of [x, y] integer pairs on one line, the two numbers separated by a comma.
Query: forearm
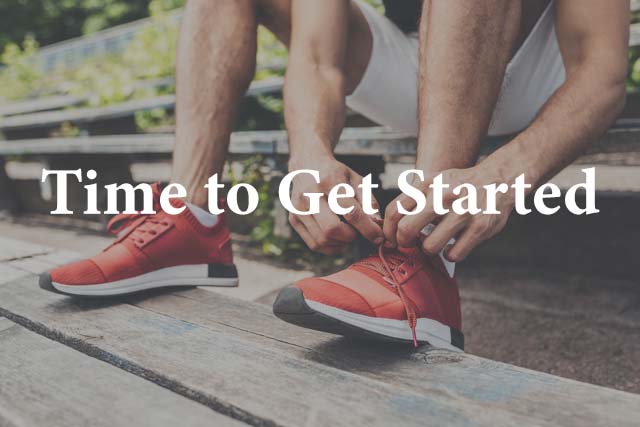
[[575, 117], [314, 109], [315, 83]]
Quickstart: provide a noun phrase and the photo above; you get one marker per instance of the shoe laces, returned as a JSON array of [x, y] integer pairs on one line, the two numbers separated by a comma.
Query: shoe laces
[[120, 222], [386, 265], [148, 226]]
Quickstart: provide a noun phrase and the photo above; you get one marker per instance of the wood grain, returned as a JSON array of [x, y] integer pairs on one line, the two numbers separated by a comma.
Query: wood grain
[[238, 359], [46, 383]]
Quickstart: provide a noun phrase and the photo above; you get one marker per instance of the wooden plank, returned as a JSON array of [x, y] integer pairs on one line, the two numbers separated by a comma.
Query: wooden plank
[[12, 249], [374, 141], [248, 361], [634, 35], [40, 104], [124, 109], [46, 383], [55, 102], [259, 381]]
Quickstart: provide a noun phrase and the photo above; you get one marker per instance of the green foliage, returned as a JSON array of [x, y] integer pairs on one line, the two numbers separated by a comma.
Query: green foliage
[[633, 82], [21, 75], [50, 21]]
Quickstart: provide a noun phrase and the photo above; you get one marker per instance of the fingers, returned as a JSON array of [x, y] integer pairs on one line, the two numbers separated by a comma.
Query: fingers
[[409, 227], [360, 198], [463, 246], [365, 224], [392, 217], [478, 230], [332, 228], [311, 234], [302, 231], [442, 234]]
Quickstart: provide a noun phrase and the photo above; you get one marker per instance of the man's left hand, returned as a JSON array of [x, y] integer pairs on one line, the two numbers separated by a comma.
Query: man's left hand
[[468, 230]]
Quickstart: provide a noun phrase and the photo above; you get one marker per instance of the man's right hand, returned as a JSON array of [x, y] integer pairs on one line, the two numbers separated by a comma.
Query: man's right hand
[[326, 232]]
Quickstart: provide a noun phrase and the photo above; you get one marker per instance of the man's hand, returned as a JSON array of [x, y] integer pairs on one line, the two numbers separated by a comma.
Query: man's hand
[[326, 232], [468, 230]]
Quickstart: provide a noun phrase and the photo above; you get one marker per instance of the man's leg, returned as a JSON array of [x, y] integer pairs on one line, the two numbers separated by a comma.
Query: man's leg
[[216, 63], [464, 50], [465, 47]]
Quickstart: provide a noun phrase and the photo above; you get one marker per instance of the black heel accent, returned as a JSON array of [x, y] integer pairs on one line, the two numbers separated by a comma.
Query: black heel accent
[[457, 339], [222, 271]]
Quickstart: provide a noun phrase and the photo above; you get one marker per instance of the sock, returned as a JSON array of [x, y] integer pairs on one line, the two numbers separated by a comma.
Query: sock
[[205, 218]]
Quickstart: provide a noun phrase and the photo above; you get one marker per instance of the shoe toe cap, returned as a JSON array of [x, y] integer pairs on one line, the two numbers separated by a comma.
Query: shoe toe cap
[[332, 294], [84, 272]]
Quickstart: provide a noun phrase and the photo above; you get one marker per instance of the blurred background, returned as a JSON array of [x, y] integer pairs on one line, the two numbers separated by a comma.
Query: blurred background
[[90, 84]]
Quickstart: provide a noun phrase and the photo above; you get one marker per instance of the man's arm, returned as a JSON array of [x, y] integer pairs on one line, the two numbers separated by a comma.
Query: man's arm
[[315, 92], [593, 37], [465, 46]]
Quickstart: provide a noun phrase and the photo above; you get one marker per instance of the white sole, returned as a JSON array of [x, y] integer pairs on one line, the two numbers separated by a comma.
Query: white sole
[[178, 276], [427, 330]]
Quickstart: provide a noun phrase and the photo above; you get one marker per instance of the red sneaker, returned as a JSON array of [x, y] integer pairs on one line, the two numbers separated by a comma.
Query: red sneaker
[[151, 251], [399, 294]]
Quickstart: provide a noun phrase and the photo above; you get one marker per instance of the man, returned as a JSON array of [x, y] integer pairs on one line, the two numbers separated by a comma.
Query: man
[[450, 72]]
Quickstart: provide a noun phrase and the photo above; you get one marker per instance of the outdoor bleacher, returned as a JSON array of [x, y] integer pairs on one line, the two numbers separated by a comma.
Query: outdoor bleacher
[[216, 360]]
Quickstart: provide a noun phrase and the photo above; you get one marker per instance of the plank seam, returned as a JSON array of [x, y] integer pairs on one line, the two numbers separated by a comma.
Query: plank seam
[[20, 258], [91, 350], [228, 325]]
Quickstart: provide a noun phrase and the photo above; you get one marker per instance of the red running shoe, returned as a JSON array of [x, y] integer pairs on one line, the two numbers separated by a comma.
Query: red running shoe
[[397, 294], [151, 251]]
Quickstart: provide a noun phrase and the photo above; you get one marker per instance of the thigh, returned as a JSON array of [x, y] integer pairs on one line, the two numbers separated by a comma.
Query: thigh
[[388, 91], [275, 15]]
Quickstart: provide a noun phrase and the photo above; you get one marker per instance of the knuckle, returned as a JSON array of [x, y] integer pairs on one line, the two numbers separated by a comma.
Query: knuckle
[[389, 210], [406, 236], [430, 247], [323, 240], [454, 256], [354, 215], [403, 231], [332, 230], [481, 227]]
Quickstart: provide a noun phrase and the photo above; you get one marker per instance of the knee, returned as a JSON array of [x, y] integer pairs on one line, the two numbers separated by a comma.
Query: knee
[[222, 9]]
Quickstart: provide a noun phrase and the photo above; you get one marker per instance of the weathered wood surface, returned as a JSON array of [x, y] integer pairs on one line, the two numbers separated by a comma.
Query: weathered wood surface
[[238, 359], [12, 249], [43, 382]]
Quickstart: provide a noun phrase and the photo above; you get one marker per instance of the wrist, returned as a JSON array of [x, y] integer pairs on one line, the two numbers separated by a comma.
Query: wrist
[[508, 165], [309, 159]]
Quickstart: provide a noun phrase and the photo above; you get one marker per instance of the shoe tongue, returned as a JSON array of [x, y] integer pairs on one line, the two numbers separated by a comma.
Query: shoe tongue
[[394, 258], [407, 252]]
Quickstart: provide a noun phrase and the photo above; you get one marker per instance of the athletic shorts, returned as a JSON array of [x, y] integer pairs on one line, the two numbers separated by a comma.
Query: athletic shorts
[[388, 92]]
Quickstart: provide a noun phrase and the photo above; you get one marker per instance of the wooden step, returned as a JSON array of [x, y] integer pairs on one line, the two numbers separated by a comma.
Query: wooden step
[[370, 141], [43, 382], [238, 359]]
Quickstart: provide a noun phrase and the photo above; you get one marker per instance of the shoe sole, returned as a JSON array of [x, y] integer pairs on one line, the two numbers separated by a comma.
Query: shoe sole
[[292, 307], [216, 275]]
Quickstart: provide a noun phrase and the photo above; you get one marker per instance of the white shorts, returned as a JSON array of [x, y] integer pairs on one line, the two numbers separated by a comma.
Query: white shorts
[[388, 92]]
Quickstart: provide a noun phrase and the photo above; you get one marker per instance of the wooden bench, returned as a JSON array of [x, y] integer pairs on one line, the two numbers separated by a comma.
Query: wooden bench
[[196, 357], [40, 122]]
